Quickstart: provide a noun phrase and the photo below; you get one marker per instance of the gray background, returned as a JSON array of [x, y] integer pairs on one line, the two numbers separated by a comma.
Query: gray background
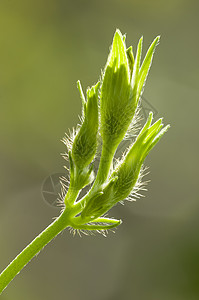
[[45, 47]]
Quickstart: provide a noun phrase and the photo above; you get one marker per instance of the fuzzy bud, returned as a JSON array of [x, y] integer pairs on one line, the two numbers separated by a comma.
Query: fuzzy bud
[[115, 111], [124, 177], [85, 143], [122, 85]]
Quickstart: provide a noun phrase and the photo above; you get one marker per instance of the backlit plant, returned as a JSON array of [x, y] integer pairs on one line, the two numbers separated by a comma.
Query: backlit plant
[[109, 110]]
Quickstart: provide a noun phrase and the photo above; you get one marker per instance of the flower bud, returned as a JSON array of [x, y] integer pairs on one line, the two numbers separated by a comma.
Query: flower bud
[[115, 111], [128, 170], [85, 143], [122, 85], [126, 174]]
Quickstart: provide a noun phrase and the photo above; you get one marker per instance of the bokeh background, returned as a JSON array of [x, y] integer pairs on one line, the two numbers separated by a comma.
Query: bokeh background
[[45, 47]]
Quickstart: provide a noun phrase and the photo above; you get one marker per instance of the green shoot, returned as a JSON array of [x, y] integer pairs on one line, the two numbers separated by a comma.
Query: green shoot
[[108, 111]]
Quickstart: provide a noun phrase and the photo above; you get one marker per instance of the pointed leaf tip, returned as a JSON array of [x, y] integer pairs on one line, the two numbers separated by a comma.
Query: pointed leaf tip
[[118, 32], [144, 70], [117, 55], [157, 38], [79, 86]]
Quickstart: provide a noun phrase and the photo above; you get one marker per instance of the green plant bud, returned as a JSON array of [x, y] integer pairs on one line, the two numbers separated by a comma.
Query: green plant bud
[[120, 89], [115, 111], [85, 143], [122, 85], [128, 170], [125, 176]]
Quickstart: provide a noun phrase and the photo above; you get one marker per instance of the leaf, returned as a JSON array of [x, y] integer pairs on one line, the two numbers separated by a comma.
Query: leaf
[[144, 70], [135, 76]]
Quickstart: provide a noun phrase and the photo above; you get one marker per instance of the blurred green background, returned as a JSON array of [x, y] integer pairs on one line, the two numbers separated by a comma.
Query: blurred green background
[[45, 47]]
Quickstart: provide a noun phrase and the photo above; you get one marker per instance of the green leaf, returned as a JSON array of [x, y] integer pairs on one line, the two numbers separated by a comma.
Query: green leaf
[[144, 70], [109, 224], [135, 76], [158, 137]]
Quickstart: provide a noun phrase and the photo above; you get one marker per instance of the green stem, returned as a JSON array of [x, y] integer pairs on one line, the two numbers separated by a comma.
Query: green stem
[[33, 248], [107, 155], [71, 196], [108, 152]]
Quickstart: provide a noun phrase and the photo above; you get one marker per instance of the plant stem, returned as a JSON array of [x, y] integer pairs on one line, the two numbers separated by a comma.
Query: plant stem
[[108, 152], [107, 155], [33, 248]]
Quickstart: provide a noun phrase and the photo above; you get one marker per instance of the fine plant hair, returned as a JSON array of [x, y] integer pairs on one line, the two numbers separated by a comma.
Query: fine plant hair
[[110, 114]]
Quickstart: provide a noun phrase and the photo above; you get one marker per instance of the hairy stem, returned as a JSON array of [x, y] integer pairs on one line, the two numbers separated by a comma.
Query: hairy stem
[[102, 175], [33, 248], [105, 164]]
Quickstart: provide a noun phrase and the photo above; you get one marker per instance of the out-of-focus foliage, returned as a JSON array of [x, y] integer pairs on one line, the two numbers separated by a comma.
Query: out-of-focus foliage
[[45, 47]]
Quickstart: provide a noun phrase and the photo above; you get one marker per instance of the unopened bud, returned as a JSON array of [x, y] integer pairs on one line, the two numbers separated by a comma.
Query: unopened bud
[[115, 111], [122, 85], [125, 176], [85, 142]]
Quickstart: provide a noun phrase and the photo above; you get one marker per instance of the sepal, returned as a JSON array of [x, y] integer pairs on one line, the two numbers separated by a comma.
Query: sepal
[[128, 171], [115, 111], [85, 142]]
